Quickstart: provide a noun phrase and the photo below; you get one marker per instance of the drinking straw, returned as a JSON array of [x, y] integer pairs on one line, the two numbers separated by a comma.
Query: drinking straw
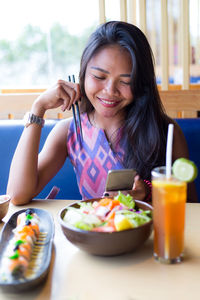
[[168, 175], [169, 150]]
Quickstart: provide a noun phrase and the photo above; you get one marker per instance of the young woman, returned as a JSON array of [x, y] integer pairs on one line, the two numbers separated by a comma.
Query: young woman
[[123, 121]]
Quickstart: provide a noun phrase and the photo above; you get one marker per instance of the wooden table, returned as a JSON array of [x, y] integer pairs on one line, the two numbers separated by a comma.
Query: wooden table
[[75, 275]]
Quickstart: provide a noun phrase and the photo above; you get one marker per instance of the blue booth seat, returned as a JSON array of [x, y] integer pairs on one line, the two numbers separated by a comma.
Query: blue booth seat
[[191, 130], [65, 179]]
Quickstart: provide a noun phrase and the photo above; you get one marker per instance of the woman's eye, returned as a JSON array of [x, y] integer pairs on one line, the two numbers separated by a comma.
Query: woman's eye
[[126, 83], [98, 77]]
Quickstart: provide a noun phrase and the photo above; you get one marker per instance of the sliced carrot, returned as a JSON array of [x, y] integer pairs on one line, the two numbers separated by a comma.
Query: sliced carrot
[[114, 203], [111, 224], [105, 201], [110, 203]]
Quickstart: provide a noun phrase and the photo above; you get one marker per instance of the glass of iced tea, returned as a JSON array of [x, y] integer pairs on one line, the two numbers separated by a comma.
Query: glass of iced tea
[[169, 198]]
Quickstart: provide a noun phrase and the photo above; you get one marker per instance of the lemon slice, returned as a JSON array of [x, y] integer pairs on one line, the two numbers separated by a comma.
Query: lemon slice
[[122, 223], [184, 170]]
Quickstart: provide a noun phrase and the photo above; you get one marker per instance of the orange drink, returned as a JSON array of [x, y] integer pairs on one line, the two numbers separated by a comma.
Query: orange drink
[[169, 198]]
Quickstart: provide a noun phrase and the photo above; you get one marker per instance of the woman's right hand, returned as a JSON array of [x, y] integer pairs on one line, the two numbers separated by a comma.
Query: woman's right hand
[[140, 190], [62, 94]]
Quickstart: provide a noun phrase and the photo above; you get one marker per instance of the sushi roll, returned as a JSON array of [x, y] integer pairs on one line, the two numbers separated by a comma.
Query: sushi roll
[[15, 265], [24, 244], [17, 255], [28, 215], [35, 228], [25, 230], [20, 248], [24, 249], [28, 218], [24, 237], [27, 226]]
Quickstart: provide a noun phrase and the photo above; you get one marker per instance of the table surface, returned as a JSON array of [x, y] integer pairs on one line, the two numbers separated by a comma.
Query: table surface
[[76, 275]]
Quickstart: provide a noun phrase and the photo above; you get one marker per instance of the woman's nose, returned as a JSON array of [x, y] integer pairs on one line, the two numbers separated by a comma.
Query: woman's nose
[[111, 87]]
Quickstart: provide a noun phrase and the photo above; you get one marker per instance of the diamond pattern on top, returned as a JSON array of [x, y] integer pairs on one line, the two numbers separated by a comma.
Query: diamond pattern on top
[[109, 163], [93, 172], [101, 154], [93, 160]]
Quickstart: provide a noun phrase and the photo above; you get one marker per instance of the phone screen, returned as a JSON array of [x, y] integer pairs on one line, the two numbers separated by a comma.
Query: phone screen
[[122, 179]]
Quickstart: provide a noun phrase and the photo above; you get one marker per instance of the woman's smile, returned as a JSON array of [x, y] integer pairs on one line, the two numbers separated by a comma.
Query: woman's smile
[[108, 102]]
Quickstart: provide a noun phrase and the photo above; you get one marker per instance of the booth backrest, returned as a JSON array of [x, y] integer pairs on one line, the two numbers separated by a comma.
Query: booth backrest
[[191, 130], [65, 179], [181, 103]]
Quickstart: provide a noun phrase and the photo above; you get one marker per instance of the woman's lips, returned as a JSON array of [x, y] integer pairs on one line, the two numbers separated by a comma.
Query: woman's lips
[[108, 102]]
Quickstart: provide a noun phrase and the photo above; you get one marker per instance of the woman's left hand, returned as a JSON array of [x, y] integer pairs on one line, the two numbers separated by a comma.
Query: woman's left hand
[[139, 191]]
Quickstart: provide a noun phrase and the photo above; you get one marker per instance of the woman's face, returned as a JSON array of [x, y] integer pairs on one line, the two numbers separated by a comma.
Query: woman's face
[[107, 81]]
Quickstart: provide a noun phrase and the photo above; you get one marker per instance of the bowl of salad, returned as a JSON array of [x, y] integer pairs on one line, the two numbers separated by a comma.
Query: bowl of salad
[[107, 226]]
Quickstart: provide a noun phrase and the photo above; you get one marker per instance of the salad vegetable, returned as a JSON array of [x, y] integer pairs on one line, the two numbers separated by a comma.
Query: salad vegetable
[[107, 215]]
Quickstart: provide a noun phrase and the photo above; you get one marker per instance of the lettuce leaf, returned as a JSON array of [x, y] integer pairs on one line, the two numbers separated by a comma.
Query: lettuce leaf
[[126, 200]]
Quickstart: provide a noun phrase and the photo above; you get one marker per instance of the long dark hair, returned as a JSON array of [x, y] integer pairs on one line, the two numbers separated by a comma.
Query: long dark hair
[[145, 127]]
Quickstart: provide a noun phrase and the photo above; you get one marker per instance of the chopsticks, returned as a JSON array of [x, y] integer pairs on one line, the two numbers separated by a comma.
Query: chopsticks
[[76, 114], [53, 193]]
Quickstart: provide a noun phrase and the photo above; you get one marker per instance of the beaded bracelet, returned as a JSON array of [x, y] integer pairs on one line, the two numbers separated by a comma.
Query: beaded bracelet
[[148, 183]]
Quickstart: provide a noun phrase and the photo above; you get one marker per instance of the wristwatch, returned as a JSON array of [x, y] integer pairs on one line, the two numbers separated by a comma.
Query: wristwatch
[[30, 118]]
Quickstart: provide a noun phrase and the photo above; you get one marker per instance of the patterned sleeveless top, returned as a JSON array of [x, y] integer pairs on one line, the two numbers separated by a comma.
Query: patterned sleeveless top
[[93, 158]]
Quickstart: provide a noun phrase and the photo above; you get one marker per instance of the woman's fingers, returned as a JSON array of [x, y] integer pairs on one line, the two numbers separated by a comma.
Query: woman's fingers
[[136, 182], [63, 98], [72, 91], [110, 193], [62, 94], [139, 188]]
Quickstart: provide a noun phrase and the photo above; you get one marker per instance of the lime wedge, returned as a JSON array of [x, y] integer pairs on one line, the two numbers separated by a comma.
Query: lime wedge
[[184, 170]]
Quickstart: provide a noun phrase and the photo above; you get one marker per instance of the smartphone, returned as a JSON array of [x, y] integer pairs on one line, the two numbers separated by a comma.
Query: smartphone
[[122, 179]]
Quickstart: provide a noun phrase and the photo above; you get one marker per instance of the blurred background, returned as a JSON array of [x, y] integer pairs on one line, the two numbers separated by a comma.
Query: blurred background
[[41, 41]]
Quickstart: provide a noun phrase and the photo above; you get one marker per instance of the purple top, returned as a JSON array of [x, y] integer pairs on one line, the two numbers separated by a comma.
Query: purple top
[[94, 158]]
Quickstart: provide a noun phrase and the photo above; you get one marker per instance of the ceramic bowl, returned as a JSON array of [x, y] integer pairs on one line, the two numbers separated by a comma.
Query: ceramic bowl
[[4, 204], [107, 243]]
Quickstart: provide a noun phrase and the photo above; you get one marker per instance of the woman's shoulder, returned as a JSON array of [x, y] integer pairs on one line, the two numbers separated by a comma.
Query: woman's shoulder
[[64, 123], [177, 129], [61, 128], [180, 147]]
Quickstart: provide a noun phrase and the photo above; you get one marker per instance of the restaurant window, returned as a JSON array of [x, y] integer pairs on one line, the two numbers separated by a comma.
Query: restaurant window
[[41, 41], [153, 20], [195, 41], [112, 11]]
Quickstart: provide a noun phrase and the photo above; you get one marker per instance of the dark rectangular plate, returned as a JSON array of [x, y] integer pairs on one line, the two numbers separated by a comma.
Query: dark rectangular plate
[[40, 269]]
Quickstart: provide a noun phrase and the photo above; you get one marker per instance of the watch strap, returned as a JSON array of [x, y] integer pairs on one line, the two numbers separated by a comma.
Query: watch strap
[[33, 119]]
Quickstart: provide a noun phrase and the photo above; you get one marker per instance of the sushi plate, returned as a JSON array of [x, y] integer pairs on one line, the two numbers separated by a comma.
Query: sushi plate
[[41, 257]]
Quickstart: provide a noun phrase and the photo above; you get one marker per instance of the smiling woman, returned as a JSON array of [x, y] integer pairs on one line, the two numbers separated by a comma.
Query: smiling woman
[[123, 122]]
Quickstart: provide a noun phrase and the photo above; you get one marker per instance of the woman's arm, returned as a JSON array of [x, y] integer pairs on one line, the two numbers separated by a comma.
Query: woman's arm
[[29, 173], [180, 149]]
